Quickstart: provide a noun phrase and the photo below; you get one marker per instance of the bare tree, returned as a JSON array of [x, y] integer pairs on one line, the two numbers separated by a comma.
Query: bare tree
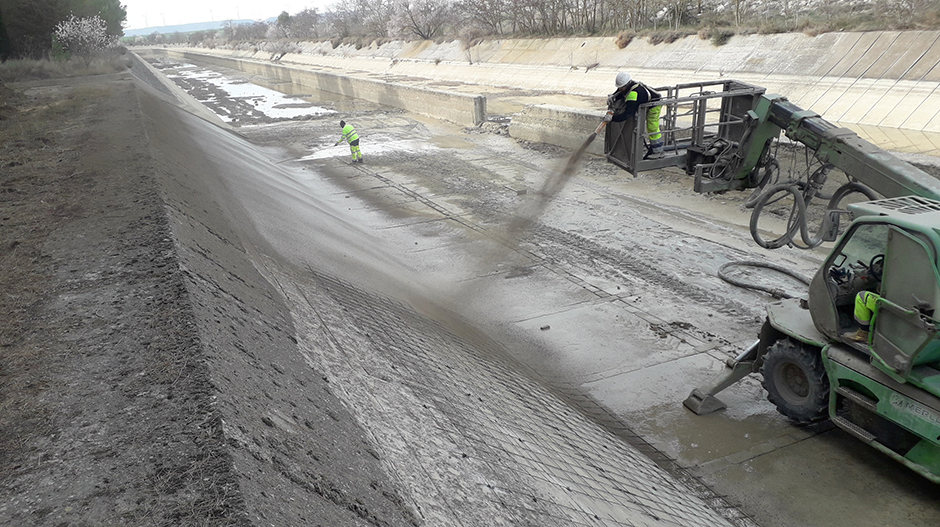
[[489, 15], [196, 37], [343, 21], [908, 13], [679, 11], [253, 31], [282, 28], [424, 19], [305, 24], [375, 16], [524, 16], [740, 10], [589, 15]]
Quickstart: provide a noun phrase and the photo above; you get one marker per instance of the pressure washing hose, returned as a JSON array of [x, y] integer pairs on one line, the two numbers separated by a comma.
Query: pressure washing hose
[[797, 224], [776, 292], [601, 126]]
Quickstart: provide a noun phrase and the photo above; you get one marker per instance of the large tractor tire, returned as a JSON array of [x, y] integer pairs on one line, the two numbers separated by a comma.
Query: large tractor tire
[[796, 381]]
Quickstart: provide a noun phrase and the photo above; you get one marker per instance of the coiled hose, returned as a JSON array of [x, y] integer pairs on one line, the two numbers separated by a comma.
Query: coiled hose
[[797, 223]]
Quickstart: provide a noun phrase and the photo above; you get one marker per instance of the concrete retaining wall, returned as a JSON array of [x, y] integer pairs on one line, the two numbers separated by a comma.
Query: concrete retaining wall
[[462, 109], [557, 125], [887, 78]]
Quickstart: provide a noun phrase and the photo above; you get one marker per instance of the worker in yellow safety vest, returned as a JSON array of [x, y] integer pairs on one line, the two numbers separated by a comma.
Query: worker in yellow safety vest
[[351, 137], [624, 103], [866, 308]]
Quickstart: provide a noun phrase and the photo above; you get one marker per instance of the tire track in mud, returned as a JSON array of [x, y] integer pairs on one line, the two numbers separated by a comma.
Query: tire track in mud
[[613, 262]]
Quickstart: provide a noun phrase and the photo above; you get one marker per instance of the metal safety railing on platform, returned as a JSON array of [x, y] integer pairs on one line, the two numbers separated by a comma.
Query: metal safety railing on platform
[[696, 117]]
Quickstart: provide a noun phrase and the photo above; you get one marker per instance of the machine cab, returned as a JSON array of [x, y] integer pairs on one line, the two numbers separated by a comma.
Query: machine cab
[[890, 251]]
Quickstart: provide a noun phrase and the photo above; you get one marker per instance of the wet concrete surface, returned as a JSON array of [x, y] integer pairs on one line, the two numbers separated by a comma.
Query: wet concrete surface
[[612, 300]]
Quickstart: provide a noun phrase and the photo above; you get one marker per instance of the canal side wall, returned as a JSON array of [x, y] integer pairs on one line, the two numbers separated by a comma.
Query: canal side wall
[[868, 81], [458, 108], [561, 126], [557, 125], [884, 78]]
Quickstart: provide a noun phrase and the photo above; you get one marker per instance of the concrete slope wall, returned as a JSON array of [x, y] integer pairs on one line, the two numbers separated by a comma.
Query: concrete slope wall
[[880, 79], [462, 109]]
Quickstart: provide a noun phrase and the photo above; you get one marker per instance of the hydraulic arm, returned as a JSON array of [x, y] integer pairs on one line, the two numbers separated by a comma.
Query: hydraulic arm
[[844, 149], [722, 133]]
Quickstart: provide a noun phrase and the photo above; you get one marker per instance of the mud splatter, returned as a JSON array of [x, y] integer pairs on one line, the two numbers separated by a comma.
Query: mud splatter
[[533, 208]]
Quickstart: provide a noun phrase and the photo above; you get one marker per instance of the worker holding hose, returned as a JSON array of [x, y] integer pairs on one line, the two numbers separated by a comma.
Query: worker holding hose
[[351, 137], [627, 99]]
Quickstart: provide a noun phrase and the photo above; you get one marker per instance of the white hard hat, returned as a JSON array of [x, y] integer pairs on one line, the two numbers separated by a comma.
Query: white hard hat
[[622, 79]]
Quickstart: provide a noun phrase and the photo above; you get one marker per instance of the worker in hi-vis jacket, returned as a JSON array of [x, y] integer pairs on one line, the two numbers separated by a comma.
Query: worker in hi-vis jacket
[[351, 137], [626, 100]]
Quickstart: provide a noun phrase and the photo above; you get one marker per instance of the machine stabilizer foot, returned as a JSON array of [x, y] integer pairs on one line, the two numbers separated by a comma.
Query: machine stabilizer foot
[[701, 403]]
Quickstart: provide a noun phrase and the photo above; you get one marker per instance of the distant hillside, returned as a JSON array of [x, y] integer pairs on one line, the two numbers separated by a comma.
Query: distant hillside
[[183, 28]]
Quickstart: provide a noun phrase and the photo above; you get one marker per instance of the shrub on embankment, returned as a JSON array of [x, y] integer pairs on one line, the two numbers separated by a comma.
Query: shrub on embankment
[[31, 69]]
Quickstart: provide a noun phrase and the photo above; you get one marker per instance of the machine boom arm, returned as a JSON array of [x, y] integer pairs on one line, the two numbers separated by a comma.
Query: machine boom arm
[[859, 159]]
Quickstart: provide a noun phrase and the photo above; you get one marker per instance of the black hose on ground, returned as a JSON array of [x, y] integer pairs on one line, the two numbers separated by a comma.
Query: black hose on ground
[[776, 292]]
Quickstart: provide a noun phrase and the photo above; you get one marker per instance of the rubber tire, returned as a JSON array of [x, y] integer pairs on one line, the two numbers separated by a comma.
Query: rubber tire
[[796, 381]]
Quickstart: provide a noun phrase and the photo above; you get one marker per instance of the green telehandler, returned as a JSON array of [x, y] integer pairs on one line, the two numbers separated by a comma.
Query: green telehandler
[[883, 388]]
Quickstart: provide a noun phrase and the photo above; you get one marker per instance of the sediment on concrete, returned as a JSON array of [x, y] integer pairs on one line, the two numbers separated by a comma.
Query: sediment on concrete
[[153, 79], [297, 447], [886, 78], [455, 107], [296, 450]]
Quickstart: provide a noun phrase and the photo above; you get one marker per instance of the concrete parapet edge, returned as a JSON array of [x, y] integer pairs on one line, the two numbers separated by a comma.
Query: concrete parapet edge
[[458, 108], [557, 125], [187, 101]]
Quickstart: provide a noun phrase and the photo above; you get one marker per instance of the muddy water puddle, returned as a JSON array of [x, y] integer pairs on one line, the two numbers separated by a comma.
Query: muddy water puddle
[[242, 99]]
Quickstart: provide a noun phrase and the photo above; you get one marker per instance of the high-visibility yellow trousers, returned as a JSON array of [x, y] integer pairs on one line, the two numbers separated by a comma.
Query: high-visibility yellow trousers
[[865, 307], [652, 123]]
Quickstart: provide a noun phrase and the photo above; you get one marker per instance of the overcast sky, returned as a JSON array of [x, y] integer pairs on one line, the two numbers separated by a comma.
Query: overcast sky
[[152, 13]]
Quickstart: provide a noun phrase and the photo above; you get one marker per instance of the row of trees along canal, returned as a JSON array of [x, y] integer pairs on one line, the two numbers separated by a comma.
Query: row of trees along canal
[[364, 21], [27, 27]]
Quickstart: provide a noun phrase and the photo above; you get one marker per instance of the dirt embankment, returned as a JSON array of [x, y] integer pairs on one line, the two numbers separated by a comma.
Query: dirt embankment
[[106, 415], [140, 382]]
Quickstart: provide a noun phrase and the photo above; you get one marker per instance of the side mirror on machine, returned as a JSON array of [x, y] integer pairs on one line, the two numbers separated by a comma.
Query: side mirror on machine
[[829, 231]]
